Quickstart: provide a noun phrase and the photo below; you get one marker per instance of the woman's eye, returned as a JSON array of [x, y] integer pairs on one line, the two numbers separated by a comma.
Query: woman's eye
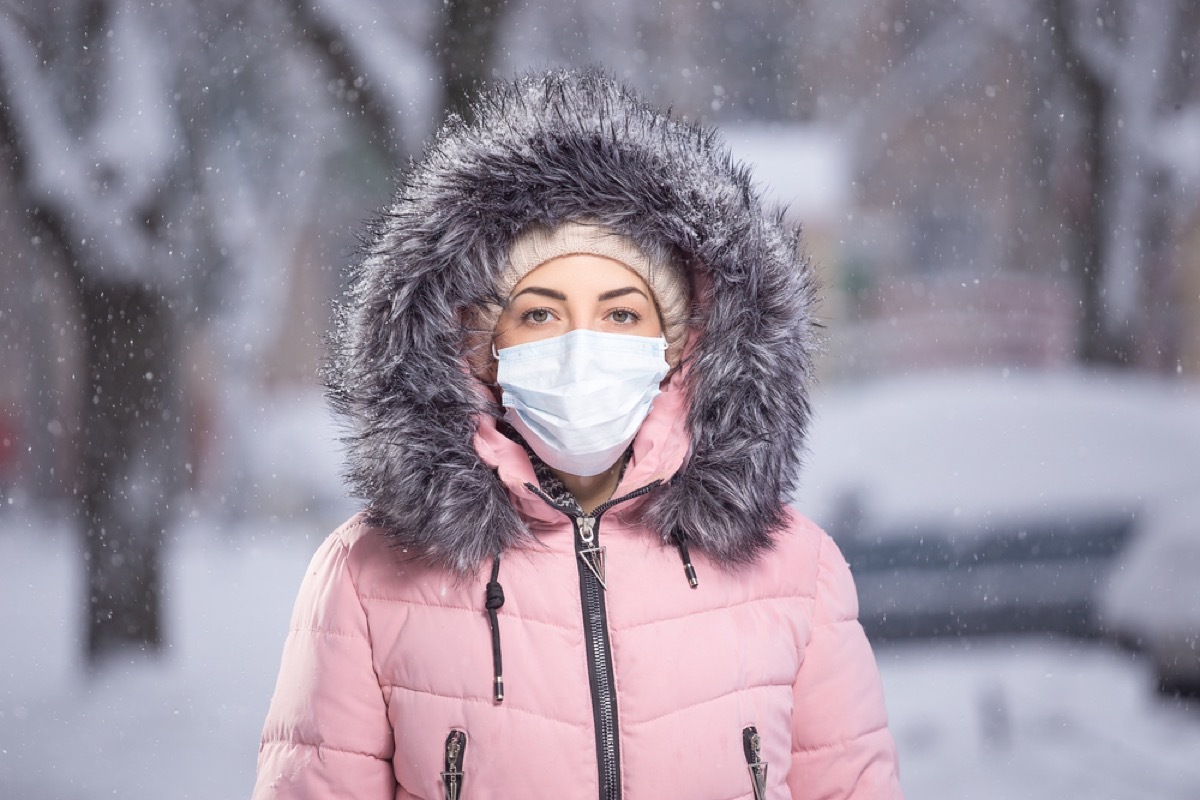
[[536, 315], [623, 316]]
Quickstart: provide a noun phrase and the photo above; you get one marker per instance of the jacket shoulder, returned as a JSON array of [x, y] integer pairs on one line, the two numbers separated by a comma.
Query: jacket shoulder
[[833, 585], [809, 563], [800, 542], [801, 529], [381, 567], [359, 538]]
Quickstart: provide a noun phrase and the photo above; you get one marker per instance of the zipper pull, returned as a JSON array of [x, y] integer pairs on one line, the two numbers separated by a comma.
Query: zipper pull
[[592, 556], [587, 530], [452, 775], [752, 746]]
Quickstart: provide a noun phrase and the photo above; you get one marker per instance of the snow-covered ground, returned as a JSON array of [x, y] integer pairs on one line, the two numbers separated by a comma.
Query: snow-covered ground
[[1024, 718], [1033, 718], [182, 726]]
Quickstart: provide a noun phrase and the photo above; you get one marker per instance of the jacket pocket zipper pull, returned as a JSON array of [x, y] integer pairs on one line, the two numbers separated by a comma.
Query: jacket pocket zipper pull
[[452, 775], [752, 746]]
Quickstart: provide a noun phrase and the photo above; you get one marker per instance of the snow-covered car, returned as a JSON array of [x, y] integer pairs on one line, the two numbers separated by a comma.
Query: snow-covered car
[[1152, 601], [998, 501]]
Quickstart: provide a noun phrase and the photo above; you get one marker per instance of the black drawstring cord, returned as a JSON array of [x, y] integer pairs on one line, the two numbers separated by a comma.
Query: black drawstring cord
[[688, 569], [494, 598]]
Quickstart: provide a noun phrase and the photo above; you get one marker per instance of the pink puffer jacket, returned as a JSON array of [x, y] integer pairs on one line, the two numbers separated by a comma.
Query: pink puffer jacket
[[622, 677], [388, 662]]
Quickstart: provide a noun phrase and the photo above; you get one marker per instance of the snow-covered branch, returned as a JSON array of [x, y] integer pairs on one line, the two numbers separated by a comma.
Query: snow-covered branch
[[1093, 40], [385, 43], [106, 179], [53, 165], [1011, 21]]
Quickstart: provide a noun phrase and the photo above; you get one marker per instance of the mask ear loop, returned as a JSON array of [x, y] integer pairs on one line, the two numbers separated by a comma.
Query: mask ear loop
[[495, 355]]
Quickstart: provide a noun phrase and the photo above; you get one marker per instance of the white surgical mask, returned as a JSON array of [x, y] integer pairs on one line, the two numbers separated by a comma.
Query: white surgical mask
[[579, 399]]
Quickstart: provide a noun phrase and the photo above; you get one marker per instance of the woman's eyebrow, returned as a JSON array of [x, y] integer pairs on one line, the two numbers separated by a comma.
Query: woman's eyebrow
[[612, 294], [552, 294]]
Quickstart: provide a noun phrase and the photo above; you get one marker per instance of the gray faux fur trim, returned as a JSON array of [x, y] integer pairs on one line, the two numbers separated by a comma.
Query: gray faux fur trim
[[548, 148]]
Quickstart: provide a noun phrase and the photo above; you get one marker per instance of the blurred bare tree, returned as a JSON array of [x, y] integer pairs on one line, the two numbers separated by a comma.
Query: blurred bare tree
[[130, 126], [1062, 127], [100, 98], [1110, 83], [1130, 72], [377, 50]]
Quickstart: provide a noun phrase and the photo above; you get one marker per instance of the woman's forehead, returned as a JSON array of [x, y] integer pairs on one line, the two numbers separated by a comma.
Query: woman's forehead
[[582, 273]]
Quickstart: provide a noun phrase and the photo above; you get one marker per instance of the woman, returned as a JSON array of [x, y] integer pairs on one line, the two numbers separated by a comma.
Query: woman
[[575, 361]]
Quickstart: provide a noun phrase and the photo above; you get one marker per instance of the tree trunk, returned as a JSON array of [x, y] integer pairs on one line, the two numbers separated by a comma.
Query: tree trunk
[[127, 474], [467, 49], [1100, 344], [1087, 220]]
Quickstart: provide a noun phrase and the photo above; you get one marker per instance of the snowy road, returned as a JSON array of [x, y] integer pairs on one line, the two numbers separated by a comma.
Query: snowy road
[[994, 719], [1036, 718]]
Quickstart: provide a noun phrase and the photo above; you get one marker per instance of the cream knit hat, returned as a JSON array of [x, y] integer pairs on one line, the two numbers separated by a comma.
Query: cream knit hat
[[538, 244]]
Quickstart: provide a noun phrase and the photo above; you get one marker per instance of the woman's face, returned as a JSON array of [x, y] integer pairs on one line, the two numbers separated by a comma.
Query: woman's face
[[573, 293]]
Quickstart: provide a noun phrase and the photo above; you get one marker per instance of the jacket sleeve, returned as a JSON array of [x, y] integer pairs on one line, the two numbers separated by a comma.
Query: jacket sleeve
[[841, 746], [327, 732]]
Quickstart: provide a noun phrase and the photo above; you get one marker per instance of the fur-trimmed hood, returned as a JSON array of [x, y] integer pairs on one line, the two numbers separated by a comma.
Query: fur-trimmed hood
[[549, 148]]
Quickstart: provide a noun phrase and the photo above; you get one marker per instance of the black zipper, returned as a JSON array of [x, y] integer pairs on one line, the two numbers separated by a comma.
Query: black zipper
[[595, 629], [590, 563], [452, 772], [752, 747]]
